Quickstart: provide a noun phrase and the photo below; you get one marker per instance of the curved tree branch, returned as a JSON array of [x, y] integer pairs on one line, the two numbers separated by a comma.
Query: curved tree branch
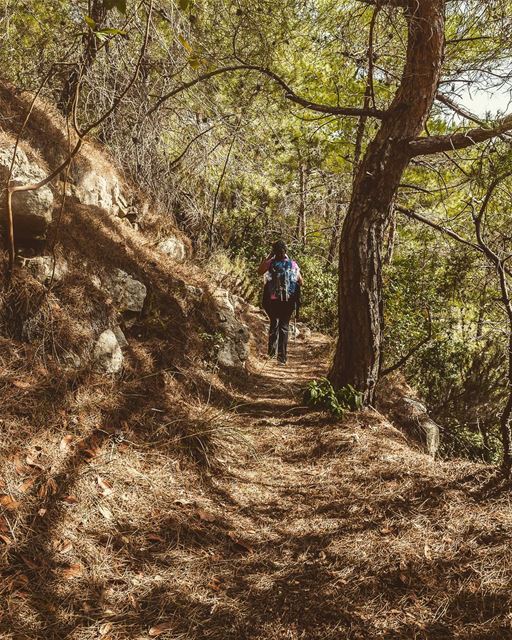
[[289, 94]]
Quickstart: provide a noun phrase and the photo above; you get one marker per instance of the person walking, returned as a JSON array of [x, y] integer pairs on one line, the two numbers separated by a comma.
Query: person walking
[[281, 294]]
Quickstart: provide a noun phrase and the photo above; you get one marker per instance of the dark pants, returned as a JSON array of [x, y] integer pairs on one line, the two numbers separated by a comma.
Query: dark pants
[[280, 314]]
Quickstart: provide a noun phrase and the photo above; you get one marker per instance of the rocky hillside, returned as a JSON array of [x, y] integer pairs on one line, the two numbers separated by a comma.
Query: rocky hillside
[[102, 273]]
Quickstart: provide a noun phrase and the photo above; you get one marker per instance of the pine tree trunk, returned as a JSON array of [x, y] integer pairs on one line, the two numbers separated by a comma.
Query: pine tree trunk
[[358, 353]]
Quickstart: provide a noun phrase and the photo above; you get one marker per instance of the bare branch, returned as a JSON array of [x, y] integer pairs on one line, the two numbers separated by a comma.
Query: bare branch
[[438, 227], [386, 3], [448, 102]]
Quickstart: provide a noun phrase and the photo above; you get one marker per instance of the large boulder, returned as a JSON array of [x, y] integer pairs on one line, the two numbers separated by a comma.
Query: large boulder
[[32, 210], [107, 353], [234, 349], [173, 247]]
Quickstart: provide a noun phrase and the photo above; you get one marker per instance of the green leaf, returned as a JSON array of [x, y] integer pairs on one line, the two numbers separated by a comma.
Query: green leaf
[[90, 22], [187, 46], [184, 4], [112, 32]]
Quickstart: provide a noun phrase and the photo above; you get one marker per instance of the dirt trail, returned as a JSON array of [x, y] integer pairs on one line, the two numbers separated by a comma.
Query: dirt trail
[[320, 529], [342, 531]]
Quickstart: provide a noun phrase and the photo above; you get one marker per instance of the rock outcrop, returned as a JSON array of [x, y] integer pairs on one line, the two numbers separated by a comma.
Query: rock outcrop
[[233, 351], [45, 269], [32, 210], [173, 247], [128, 293], [97, 185], [398, 401]]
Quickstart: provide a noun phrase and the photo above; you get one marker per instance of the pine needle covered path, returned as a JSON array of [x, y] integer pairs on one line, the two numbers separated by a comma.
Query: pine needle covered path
[[305, 528]]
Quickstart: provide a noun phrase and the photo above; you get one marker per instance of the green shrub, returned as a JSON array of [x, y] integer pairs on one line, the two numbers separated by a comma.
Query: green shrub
[[322, 395]]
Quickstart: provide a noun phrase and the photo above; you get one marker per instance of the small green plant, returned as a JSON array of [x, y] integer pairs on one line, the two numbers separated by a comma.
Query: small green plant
[[321, 394]]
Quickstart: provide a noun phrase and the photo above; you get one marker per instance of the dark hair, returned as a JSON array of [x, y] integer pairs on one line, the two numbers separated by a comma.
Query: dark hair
[[279, 247]]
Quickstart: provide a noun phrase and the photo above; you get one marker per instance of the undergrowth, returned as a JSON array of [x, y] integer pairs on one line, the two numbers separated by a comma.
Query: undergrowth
[[322, 395]]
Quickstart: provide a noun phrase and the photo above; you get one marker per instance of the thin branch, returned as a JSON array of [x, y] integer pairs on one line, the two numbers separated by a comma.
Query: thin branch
[[387, 3], [461, 111], [438, 227]]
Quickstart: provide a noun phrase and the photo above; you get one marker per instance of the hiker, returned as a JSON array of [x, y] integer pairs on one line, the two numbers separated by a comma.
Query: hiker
[[281, 295]]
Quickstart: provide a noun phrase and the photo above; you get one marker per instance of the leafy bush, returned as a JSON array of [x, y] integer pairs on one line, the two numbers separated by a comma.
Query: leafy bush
[[319, 294], [321, 394]]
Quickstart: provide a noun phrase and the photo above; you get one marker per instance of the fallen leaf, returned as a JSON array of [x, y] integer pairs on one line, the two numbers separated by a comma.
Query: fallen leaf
[[21, 384], [106, 489], [8, 503], [215, 584], [205, 515], [41, 512], [62, 545], [27, 484], [31, 564], [73, 571], [20, 468], [70, 499], [106, 513], [105, 628], [239, 544], [66, 442], [48, 488], [160, 628], [30, 460], [154, 537], [5, 539]]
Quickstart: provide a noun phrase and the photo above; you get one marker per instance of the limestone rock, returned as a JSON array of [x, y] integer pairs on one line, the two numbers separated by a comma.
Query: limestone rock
[[128, 294], [32, 210], [42, 268], [234, 349], [398, 401], [101, 188], [107, 353], [173, 247], [121, 338]]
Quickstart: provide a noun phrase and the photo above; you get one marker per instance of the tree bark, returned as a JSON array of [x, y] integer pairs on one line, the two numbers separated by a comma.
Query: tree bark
[[335, 236], [358, 354]]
